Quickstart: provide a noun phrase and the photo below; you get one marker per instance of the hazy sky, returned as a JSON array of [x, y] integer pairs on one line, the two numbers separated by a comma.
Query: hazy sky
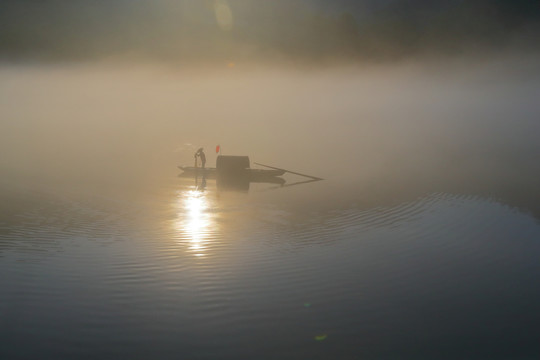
[[248, 30]]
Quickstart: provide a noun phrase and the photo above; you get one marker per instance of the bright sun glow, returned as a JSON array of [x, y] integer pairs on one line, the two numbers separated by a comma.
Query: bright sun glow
[[195, 221]]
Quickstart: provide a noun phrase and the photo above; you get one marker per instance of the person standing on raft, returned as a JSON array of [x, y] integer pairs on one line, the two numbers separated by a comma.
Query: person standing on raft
[[200, 153]]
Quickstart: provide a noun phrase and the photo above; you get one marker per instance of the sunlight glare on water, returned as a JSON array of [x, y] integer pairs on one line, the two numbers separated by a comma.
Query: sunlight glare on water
[[194, 221]]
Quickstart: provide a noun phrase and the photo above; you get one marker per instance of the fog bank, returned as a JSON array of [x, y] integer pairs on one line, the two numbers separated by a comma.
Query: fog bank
[[458, 126]]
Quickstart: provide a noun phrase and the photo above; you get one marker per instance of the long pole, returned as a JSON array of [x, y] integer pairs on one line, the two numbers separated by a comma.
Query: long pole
[[292, 172]]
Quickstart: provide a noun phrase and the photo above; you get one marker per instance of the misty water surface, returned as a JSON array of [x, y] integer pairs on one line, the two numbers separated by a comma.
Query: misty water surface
[[422, 241]]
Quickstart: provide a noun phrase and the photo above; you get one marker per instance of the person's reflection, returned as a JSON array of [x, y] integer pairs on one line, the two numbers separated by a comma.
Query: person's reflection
[[202, 186]]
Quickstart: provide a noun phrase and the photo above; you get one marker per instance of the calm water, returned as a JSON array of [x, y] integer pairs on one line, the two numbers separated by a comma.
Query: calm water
[[414, 246], [176, 272]]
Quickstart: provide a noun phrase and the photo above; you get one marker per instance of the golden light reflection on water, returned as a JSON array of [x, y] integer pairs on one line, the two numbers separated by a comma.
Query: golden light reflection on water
[[195, 222]]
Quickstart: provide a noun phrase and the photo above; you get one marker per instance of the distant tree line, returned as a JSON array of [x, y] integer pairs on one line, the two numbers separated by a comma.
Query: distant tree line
[[278, 29]]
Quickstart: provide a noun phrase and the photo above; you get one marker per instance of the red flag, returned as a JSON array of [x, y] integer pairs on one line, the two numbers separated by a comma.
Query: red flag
[[217, 149]]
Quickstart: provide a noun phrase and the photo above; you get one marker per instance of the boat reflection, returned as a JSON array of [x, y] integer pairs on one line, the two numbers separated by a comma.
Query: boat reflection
[[229, 183], [243, 184]]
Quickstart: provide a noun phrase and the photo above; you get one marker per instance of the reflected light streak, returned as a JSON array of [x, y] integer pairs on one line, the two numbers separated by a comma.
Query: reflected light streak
[[195, 221]]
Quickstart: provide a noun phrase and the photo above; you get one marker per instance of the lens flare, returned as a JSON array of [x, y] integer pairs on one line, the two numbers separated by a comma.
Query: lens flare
[[224, 15]]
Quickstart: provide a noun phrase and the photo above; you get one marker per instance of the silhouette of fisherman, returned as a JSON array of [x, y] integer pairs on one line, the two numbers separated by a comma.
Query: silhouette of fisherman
[[200, 153]]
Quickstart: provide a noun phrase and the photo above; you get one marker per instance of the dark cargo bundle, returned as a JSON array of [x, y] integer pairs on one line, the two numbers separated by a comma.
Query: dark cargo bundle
[[230, 164]]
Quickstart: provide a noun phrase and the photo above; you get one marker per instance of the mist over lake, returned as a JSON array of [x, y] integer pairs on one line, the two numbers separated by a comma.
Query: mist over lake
[[422, 236], [468, 124], [396, 215]]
